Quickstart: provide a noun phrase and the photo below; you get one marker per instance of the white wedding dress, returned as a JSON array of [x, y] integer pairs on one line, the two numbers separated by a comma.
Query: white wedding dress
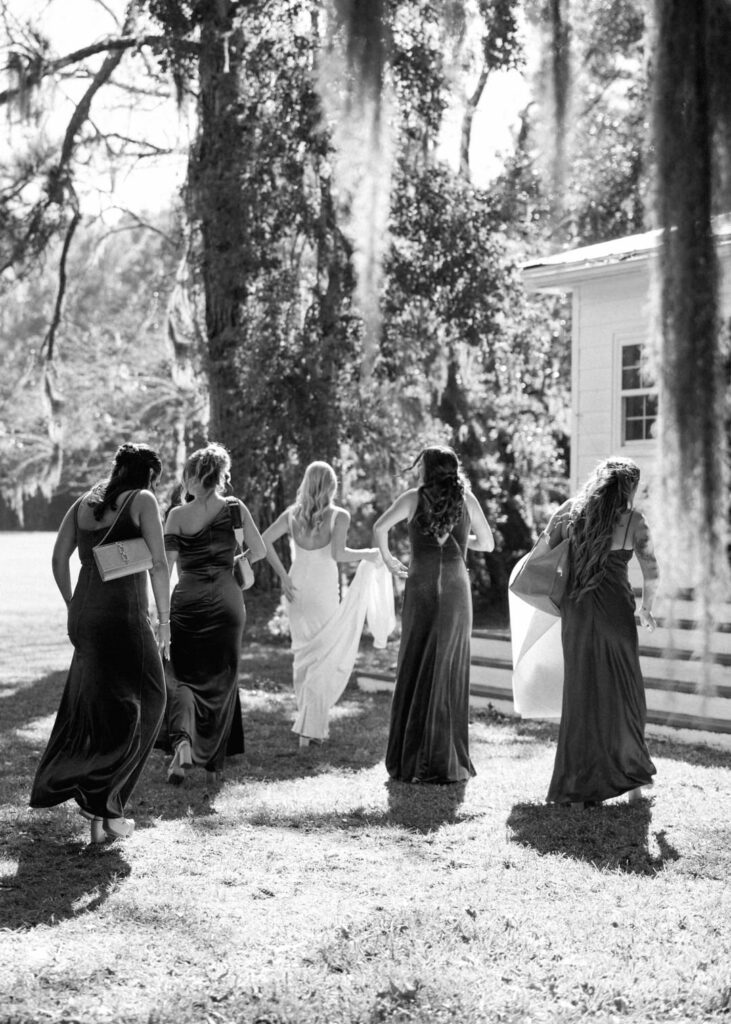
[[326, 631]]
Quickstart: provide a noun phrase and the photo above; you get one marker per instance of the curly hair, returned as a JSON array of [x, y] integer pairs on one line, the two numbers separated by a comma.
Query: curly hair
[[132, 468], [211, 466], [441, 494], [315, 494], [605, 496]]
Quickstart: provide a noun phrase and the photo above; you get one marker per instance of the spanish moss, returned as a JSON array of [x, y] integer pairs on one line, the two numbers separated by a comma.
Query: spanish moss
[[692, 475]]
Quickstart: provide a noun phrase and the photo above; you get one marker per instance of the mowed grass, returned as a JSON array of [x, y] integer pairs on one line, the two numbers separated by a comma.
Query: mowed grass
[[307, 889]]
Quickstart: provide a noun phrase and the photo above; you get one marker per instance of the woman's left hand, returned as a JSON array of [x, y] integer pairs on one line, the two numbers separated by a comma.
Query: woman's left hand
[[647, 619], [163, 639]]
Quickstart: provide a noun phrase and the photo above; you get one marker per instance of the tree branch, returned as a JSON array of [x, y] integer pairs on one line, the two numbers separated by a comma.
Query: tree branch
[[48, 341], [469, 115], [51, 67]]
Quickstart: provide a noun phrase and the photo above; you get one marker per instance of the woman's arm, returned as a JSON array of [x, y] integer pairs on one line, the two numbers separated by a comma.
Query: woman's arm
[[151, 527], [172, 558], [171, 526], [63, 549], [403, 508], [645, 551], [279, 528], [482, 538], [255, 546], [340, 551], [554, 529]]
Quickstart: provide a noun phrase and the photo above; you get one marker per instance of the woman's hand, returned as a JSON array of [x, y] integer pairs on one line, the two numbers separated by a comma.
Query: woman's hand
[[647, 620], [397, 568], [288, 588], [162, 631]]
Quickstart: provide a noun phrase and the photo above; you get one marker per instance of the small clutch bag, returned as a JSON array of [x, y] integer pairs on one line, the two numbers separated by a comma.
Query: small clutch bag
[[122, 558], [243, 573]]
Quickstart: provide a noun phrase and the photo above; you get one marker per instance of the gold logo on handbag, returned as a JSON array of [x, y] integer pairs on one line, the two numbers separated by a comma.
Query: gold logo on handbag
[[121, 557]]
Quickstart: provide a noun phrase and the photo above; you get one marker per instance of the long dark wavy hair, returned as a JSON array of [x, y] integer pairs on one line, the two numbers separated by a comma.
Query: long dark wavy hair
[[133, 464], [441, 494], [211, 465], [594, 514]]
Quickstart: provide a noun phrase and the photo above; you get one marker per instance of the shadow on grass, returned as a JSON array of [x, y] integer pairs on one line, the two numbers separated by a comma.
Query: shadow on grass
[[612, 837], [27, 703], [699, 755], [56, 879], [424, 808], [413, 808], [358, 732]]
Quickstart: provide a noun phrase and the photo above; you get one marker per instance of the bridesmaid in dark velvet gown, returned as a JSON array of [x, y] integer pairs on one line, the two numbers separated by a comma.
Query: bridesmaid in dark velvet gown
[[601, 750], [208, 616], [428, 739], [114, 697]]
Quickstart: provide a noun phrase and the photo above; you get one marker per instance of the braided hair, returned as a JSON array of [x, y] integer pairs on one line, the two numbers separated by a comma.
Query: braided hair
[[315, 495], [211, 466], [441, 494], [132, 468], [605, 496]]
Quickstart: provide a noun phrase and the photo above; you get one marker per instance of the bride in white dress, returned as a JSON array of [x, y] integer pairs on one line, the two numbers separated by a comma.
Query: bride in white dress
[[326, 631]]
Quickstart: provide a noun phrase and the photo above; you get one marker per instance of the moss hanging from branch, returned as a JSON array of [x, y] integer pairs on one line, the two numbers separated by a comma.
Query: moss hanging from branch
[[692, 477], [352, 85], [552, 91]]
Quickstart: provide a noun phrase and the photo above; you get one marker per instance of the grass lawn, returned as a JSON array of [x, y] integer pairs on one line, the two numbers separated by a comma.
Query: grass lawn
[[307, 889]]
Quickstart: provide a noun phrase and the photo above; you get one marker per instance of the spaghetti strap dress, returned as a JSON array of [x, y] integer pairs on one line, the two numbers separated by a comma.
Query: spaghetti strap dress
[[428, 736], [114, 698], [207, 618], [601, 751]]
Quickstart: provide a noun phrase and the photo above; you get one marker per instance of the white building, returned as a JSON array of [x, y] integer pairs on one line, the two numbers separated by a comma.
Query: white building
[[612, 407]]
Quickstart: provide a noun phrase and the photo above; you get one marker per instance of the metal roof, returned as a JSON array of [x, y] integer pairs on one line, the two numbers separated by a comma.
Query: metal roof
[[573, 263]]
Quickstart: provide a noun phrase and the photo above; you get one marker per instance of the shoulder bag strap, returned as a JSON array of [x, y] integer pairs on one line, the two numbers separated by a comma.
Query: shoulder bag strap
[[123, 506], [235, 513]]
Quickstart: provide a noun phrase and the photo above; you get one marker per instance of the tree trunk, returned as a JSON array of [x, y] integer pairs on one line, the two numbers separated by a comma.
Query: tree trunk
[[214, 183]]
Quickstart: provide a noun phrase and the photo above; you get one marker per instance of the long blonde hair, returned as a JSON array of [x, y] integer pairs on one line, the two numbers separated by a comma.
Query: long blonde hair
[[594, 514], [315, 494]]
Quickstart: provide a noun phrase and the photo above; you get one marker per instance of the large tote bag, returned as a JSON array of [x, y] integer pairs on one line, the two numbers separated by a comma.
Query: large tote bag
[[542, 578]]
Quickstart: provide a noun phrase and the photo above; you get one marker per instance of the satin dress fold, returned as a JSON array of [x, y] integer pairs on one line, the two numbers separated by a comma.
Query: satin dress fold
[[428, 737], [207, 618], [114, 698], [601, 750]]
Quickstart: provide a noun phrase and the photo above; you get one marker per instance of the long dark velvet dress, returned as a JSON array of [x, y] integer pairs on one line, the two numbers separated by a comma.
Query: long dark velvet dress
[[207, 618], [114, 698], [601, 749], [428, 739]]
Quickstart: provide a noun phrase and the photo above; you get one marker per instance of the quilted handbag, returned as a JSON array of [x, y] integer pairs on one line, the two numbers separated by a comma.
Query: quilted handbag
[[542, 580]]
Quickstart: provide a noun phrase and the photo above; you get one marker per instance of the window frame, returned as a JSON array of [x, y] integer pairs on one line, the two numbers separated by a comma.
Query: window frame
[[623, 342]]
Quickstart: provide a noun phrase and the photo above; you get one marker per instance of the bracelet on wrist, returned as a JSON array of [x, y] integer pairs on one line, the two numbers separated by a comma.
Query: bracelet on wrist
[[163, 622]]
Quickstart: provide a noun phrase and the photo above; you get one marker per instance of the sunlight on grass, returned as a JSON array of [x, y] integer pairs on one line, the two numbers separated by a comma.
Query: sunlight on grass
[[308, 888], [37, 731]]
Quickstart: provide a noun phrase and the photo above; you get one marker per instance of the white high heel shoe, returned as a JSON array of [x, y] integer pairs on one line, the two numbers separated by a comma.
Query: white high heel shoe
[[119, 828], [182, 759]]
